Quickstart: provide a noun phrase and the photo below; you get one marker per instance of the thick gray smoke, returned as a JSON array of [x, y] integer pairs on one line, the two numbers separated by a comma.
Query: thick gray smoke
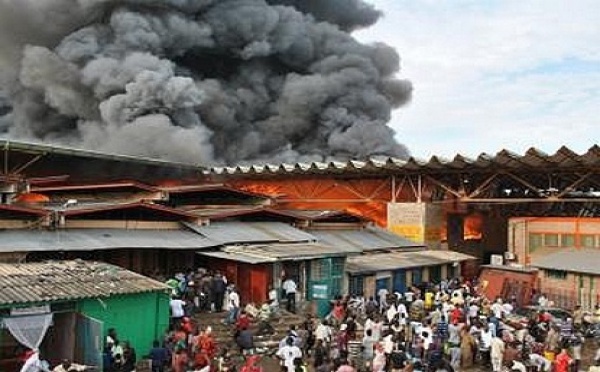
[[203, 81]]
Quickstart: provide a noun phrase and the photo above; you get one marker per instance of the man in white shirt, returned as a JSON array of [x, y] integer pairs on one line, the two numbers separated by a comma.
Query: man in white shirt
[[507, 308], [497, 308], [323, 332], [233, 305], [290, 288], [382, 295], [288, 354], [177, 308], [473, 311], [409, 296], [539, 361]]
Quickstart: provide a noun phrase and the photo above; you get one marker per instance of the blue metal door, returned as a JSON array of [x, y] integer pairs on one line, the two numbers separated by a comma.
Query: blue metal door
[[417, 276], [399, 281], [382, 283]]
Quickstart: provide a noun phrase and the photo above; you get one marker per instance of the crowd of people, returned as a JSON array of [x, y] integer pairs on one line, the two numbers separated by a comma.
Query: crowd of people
[[449, 327]]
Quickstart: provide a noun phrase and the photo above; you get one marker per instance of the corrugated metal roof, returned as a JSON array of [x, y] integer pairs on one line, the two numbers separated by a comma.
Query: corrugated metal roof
[[582, 260], [186, 189], [533, 158], [319, 214], [19, 240], [44, 149], [69, 280], [23, 210], [247, 232], [92, 209], [366, 239], [371, 263], [133, 185], [263, 253]]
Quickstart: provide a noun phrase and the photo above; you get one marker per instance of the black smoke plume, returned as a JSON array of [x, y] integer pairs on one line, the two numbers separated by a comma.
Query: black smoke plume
[[203, 81]]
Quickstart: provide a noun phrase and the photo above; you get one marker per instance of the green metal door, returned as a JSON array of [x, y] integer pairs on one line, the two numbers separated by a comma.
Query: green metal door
[[325, 282]]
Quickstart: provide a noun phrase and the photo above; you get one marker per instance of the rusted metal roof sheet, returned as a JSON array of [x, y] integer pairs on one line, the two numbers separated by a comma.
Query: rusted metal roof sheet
[[69, 280], [504, 159], [365, 239], [21, 240], [389, 261]]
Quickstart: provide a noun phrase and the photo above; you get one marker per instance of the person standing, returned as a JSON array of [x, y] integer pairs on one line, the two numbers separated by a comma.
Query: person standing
[[368, 345], [290, 288], [129, 358], [288, 354], [576, 345], [497, 353], [563, 361], [177, 311], [219, 287], [468, 347], [158, 357], [233, 305]]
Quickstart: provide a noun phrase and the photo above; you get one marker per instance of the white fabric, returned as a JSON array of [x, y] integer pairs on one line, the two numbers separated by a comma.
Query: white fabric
[[288, 354], [234, 301], [34, 364], [290, 286], [29, 330], [177, 310]]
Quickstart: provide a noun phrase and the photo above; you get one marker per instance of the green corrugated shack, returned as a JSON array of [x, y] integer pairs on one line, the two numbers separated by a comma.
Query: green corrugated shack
[[67, 308]]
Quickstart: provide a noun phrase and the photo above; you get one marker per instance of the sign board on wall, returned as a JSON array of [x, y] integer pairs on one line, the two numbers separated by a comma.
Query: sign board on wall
[[419, 222], [320, 292]]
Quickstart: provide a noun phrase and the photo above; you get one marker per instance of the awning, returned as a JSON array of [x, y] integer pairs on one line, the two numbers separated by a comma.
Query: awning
[[254, 254], [372, 263]]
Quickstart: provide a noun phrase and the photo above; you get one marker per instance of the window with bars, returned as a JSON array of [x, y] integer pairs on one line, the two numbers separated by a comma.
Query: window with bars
[[535, 241], [551, 240], [588, 241], [556, 274], [567, 240], [319, 269], [356, 285]]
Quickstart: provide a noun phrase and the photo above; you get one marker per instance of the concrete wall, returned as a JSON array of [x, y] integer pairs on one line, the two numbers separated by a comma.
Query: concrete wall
[[574, 289]]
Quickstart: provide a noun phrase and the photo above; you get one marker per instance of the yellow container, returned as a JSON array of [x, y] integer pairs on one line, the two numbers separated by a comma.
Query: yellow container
[[549, 355]]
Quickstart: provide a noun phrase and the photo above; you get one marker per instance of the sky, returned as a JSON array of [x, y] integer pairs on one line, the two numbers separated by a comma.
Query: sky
[[492, 75]]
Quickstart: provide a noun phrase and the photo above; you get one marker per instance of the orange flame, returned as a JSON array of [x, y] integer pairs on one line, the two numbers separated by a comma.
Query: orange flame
[[32, 197], [473, 227]]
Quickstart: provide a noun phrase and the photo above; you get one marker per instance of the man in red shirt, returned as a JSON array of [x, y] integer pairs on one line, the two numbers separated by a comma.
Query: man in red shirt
[[456, 315], [243, 321], [563, 361]]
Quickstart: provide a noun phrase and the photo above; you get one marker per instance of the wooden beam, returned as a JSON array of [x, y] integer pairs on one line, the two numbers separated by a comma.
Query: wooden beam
[[443, 186]]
